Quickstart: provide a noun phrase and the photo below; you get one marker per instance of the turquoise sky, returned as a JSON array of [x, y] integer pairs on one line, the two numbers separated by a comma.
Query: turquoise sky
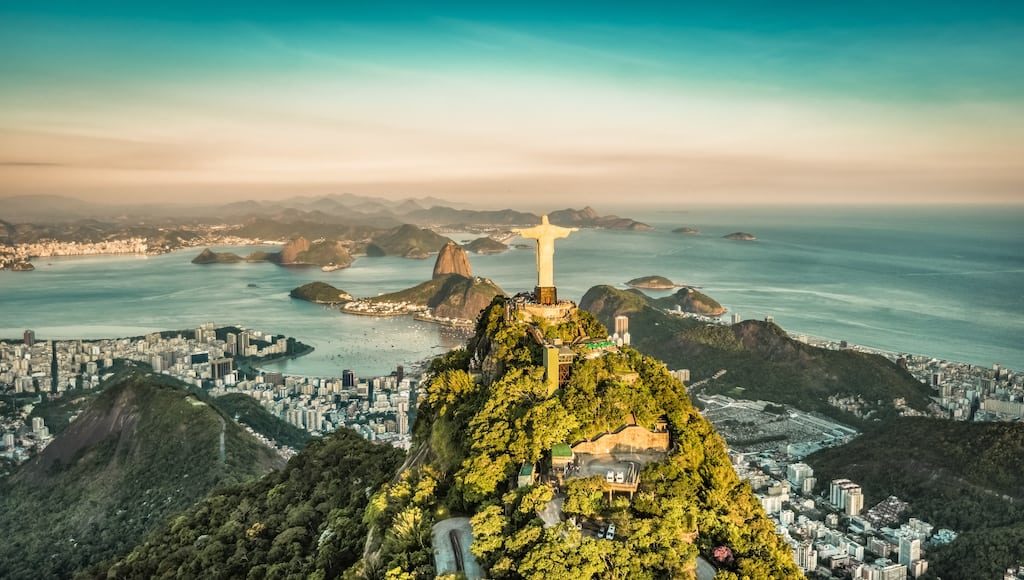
[[753, 101]]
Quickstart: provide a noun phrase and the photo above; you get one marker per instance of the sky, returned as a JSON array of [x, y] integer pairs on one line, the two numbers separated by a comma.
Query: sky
[[746, 102]]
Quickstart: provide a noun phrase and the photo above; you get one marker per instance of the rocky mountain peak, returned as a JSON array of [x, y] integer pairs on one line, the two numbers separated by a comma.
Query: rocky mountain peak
[[290, 252], [452, 259]]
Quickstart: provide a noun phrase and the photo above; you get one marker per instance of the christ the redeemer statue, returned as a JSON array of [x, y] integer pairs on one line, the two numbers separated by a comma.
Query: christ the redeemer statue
[[545, 234]]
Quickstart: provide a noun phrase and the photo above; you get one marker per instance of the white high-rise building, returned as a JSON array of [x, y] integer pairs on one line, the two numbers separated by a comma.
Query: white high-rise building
[[854, 502], [8, 441], [312, 420], [402, 413], [796, 473], [621, 325], [805, 555], [910, 551], [840, 491]]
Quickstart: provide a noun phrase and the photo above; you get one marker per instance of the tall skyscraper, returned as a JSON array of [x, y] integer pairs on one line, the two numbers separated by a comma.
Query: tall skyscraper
[[348, 379], [806, 556], [910, 550], [312, 420], [402, 414], [221, 367], [736, 319], [29, 337], [854, 502], [621, 325]]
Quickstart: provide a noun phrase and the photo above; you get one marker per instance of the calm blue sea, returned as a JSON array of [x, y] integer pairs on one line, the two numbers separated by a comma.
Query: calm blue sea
[[946, 281]]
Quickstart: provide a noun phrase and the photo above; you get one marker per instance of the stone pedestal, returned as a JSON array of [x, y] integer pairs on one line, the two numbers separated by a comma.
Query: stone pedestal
[[546, 295]]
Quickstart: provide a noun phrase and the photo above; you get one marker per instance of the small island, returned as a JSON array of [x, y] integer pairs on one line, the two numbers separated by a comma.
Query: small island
[[652, 283], [208, 256], [740, 236], [23, 266], [687, 231], [321, 293], [485, 245]]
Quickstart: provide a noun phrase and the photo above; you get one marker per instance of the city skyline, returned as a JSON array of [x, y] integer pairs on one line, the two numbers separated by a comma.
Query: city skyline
[[736, 104]]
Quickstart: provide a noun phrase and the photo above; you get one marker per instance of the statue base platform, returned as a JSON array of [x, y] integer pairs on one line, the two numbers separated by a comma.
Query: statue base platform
[[546, 295], [550, 312]]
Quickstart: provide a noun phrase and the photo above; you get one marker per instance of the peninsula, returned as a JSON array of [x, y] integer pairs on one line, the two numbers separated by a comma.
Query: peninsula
[[453, 296]]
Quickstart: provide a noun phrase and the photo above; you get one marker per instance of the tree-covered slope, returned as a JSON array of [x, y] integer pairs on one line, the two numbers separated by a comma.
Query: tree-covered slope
[[487, 411], [407, 241], [304, 521], [141, 450], [964, 476], [761, 361]]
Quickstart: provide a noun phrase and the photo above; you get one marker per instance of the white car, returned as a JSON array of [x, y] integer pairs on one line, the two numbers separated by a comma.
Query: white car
[[610, 476], [610, 534], [620, 477]]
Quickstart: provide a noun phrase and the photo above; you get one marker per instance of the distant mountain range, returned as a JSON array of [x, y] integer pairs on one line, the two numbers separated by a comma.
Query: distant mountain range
[[340, 209], [365, 220]]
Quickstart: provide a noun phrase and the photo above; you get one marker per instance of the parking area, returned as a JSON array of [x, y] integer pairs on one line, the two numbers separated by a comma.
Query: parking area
[[621, 468], [608, 467]]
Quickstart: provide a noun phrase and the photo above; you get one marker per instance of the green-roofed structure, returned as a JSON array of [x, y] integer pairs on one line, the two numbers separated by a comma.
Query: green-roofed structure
[[527, 475], [561, 456]]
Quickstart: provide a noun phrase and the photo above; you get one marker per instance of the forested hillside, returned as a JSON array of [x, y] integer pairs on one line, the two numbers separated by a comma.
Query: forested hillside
[[140, 451], [964, 476], [487, 411], [305, 521], [760, 360]]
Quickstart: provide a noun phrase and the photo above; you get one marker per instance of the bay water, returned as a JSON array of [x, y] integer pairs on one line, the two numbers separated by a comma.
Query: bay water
[[945, 281]]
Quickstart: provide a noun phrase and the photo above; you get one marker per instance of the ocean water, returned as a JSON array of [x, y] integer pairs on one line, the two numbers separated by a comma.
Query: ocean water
[[948, 282]]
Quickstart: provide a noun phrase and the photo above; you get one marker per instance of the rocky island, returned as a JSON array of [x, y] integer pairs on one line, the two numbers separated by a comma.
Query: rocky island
[[22, 266], [323, 253], [328, 254], [740, 236], [321, 293], [486, 245], [208, 256], [687, 231], [652, 283]]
